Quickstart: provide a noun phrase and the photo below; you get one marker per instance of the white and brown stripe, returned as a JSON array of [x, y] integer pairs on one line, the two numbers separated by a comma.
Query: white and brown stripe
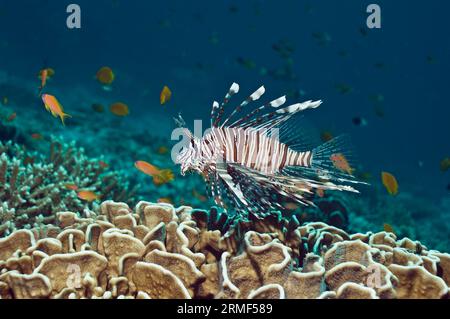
[[251, 148]]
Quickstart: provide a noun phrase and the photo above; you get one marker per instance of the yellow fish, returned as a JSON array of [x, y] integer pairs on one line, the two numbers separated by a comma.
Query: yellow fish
[[88, 196], [164, 176], [105, 75], [119, 109], [165, 95], [390, 183], [53, 106]]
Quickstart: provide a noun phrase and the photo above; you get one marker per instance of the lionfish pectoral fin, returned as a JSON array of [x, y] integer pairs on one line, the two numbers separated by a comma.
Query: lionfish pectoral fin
[[234, 187]]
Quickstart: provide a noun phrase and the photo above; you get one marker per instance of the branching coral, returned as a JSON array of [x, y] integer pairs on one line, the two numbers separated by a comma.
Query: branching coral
[[34, 188], [158, 251]]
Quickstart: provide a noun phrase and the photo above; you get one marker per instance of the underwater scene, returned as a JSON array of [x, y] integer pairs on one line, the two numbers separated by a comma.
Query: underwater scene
[[254, 149]]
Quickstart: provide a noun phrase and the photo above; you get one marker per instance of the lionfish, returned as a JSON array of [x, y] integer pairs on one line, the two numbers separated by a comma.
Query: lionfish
[[258, 160]]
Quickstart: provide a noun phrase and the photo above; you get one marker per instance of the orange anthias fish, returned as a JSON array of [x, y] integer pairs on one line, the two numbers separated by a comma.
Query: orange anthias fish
[[105, 75], [71, 187], [146, 168], [165, 95], [341, 163], [44, 74], [390, 183], [53, 106], [88, 196], [119, 109], [159, 176], [164, 176]]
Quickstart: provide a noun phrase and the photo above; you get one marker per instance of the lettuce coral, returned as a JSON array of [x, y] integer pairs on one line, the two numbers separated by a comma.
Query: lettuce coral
[[160, 251]]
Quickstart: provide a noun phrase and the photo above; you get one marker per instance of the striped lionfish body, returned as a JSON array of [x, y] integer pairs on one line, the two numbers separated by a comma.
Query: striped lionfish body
[[257, 159]]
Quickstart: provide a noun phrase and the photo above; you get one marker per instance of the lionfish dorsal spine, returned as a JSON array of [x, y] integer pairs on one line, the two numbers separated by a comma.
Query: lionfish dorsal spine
[[252, 97], [217, 111]]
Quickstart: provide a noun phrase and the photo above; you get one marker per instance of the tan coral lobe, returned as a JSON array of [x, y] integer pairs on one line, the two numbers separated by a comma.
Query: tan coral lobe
[[158, 251]]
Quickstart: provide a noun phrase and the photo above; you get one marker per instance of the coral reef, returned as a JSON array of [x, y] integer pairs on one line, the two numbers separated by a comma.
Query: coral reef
[[34, 188], [159, 251]]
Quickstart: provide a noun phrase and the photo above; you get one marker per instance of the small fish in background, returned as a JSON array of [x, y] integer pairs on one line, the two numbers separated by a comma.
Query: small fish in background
[[390, 183], [160, 177], [11, 117], [119, 109], [54, 107], [326, 136], [105, 76], [44, 74], [162, 150], [246, 63], [284, 48], [199, 196], [5, 100], [71, 186], [445, 164], [165, 96], [341, 163], [420, 164], [97, 107], [146, 168], [165, 200], [388, 228], [88, 196], [359, 121], [37, 136], [343, 88], [165, 176], [103, 164], [448, 186]]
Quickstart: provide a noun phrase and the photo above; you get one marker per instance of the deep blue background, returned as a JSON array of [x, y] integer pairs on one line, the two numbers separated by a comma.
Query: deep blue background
[[154, 43]]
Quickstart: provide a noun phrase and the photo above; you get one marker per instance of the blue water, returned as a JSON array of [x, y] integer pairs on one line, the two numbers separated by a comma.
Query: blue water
[[193, 47]]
